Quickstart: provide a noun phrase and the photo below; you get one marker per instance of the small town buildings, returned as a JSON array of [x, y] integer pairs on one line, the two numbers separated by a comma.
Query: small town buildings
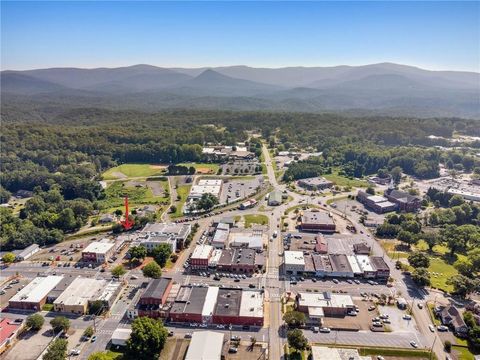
[[82, 292], [352, 261], [340, 266], [240, 260], [200, 257], [220, 238], [152, 302], [274, 198], [173, 234], [451, 317], [379, 204], [246, 240], [366, 266], [27, 252], [322, 265], [34, 295], [189, 303], [318, 221], [380, 266], [205, 345], [294, 262], [239, 307], [120, 336], [405, 201], [9, 330], [98, 252], [315, 183], [319, 305], [379, 180]]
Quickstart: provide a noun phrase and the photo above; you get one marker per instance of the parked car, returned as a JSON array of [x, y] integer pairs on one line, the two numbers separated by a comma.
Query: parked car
[[94, 338], [407, 317], [442, 328], [325, 330], [414, 344], [431, 327]]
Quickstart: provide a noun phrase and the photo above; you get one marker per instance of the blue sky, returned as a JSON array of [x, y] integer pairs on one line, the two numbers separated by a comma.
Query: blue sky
[[434, 35]]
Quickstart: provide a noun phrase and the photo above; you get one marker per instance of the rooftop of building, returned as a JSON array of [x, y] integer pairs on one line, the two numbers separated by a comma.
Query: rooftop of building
[[156, 288], [81, 290], [190, 299], [317, 217], [251, 304], [364, 263], [37, 289], [179, 230], [98, 247], [316, 181], [240, 256], [202, 252], [228, 302], [7, 329], [340, 263], [221, 234], [28, 250], [401, 196], [324, 299], [205, 345], [294, 258], [379, 263], [322, 263]]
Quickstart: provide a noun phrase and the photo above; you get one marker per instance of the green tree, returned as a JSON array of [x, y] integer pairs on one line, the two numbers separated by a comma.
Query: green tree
[[464, 267], [88, 332], [463, 285], [396, 174], [455, 200], [161, 253], [207, 202], [118, 271], [152, 270], [101, 356], [406, 237], [35, 322], [370, 190], [137, 252], [294, 318], [297, 340], [421, 276], [57, 350], [147, 339], [9, 258], [418, 260], [60, 323], [96, 307]]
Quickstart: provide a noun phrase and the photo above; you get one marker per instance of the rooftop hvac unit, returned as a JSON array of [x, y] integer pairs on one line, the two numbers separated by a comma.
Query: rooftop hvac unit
[[252, 309], [227, 305]]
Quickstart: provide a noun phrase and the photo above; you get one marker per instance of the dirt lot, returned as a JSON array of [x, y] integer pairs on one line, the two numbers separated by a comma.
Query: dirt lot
[[175, 349], [360, 322]]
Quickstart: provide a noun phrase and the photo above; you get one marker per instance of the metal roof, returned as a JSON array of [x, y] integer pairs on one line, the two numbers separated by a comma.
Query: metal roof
[[205, 345], [37, 289]]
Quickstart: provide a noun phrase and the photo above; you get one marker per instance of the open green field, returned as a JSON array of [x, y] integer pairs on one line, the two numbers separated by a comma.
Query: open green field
[[344, 181], [182, 191], [132, 170], [463, 353], [255, 219], [203, 168], [137, 195]]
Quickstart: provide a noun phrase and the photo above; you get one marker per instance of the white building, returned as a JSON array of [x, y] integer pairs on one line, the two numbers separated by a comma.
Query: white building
[[27, 252], [366, 267], [323, 353], [205, 345], [34, 295], [467, 195], [121, 336], [98, 251], [205, 186], [294, 262]]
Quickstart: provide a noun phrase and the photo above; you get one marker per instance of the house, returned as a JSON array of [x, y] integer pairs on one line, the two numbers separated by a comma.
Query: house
[[404, 201], [274, 198], [451, 316], [106, 218], [9, 330], [27, 252], [98, 252], [206, 345], [318, 221]]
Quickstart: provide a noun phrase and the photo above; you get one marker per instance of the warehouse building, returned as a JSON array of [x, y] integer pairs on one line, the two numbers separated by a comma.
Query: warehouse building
[[294, 262], [98, 252], [34, 295], [318, 221], [205, 345], [315, 183], [205, 186], [172, 234], [27, 252], [220, 238], [379, 204]]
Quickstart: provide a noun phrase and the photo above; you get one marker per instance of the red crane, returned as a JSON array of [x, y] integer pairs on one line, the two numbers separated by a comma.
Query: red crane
[[127, 223]]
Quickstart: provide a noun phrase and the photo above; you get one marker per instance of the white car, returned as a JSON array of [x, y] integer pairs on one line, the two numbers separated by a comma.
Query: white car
[[407, 317], [414, 344], [431, 327], [442, 328], [75, 352], [325, 330]]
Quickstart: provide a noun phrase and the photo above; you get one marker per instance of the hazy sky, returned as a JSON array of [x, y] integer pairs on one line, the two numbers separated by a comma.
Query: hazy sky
[[433, 35]]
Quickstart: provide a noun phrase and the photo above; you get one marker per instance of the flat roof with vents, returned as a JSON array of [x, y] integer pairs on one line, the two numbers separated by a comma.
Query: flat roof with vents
[[251, 304], [37, 289], [294, 258], [228, 302], [81, 290]]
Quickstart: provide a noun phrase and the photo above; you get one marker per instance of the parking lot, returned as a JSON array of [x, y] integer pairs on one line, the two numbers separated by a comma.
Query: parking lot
[[233, 189], [360, 322], [246, 167], [9, 289]]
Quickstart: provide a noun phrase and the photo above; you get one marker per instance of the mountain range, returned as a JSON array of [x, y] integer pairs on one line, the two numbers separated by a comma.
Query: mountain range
[[385, 88]]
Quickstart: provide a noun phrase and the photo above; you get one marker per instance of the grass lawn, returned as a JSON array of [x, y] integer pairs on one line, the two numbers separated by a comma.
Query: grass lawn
[[47, 307], [255, 219], [183, 191], [435, 321], [203, 168], [463, 353], [344, 181], [142, 195], [132, 170], [262, 162], [446, 270]]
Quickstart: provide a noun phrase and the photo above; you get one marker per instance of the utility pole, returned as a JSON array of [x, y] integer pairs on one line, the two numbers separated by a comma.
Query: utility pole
[[431, 349]]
